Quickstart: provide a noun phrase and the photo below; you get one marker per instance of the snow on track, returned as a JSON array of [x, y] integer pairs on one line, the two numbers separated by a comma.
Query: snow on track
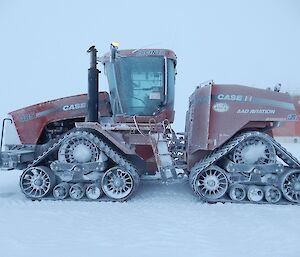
[[162, 220]]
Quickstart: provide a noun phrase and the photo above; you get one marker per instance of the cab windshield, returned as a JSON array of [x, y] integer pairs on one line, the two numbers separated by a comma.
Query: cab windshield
[[142, 82], [141, 85], [137, 85]]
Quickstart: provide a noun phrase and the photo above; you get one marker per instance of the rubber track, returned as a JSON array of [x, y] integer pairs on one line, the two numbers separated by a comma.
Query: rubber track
[[218, 153], [53, 147], [284, 155], [112, 154]]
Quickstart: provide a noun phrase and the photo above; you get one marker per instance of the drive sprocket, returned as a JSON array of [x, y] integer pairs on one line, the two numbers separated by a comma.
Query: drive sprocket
[[80, 147], [254, 150]]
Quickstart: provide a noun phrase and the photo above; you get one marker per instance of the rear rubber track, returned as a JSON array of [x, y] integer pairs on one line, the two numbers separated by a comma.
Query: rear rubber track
[[226, 148]]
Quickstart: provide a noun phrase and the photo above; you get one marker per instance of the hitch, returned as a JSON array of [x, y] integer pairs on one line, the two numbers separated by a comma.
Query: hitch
[[15, 156]]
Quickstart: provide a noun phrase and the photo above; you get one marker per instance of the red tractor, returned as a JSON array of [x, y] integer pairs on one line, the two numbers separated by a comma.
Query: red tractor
[[98, 146]]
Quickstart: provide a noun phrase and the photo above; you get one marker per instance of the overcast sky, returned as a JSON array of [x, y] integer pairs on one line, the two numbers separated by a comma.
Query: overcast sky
[[43, 43]]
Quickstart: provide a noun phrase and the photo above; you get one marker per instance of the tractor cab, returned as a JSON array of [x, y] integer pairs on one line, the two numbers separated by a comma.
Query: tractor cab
[[141, 82]]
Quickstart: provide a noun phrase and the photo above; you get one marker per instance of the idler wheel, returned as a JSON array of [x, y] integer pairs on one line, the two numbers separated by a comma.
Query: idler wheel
[[210, 184], [290, 186], [119, 183], [37, 182]]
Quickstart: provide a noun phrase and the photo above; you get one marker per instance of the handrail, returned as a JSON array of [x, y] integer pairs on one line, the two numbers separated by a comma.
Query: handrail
[[2, 131]]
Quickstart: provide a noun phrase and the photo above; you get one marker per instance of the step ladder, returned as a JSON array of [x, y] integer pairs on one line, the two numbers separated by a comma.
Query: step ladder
[[164, 160]]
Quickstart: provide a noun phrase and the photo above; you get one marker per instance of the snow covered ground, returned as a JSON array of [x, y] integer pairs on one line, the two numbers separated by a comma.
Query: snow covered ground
[[162, 220]]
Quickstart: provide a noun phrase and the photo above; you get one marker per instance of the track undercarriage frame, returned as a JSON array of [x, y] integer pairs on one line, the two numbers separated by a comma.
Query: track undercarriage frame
[[222, 176]]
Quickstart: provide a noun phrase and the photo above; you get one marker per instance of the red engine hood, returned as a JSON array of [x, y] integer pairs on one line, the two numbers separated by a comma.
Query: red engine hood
[[31, 121]]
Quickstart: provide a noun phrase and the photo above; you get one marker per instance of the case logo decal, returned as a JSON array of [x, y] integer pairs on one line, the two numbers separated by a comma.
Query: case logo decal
[[220, 107]]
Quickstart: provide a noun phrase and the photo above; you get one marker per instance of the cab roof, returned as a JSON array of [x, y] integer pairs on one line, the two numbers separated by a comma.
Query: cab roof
[[141, 52]]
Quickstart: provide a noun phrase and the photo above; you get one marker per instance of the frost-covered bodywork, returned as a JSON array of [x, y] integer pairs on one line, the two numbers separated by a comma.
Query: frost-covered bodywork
[[100, 145], [40, 116], [290, 131], [217, 112]]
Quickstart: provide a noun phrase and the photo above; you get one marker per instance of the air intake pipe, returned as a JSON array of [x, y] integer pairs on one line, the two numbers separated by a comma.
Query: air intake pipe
[[93, 86]]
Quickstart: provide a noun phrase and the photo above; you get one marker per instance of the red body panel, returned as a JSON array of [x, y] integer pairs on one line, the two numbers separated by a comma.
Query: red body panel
[[128, 142], [290, 129], [217, 112], [31, 121]]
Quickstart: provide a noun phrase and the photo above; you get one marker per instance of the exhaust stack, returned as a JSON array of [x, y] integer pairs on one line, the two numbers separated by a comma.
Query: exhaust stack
[[93, 87]]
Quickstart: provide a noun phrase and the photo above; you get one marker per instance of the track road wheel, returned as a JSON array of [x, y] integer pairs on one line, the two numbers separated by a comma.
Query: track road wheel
[[290, 186], [37, 182], [237, 192], [61, 191], [119, 183], [77, 191], [272, 194], [93, 191], [210, 184], [255, 194]]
